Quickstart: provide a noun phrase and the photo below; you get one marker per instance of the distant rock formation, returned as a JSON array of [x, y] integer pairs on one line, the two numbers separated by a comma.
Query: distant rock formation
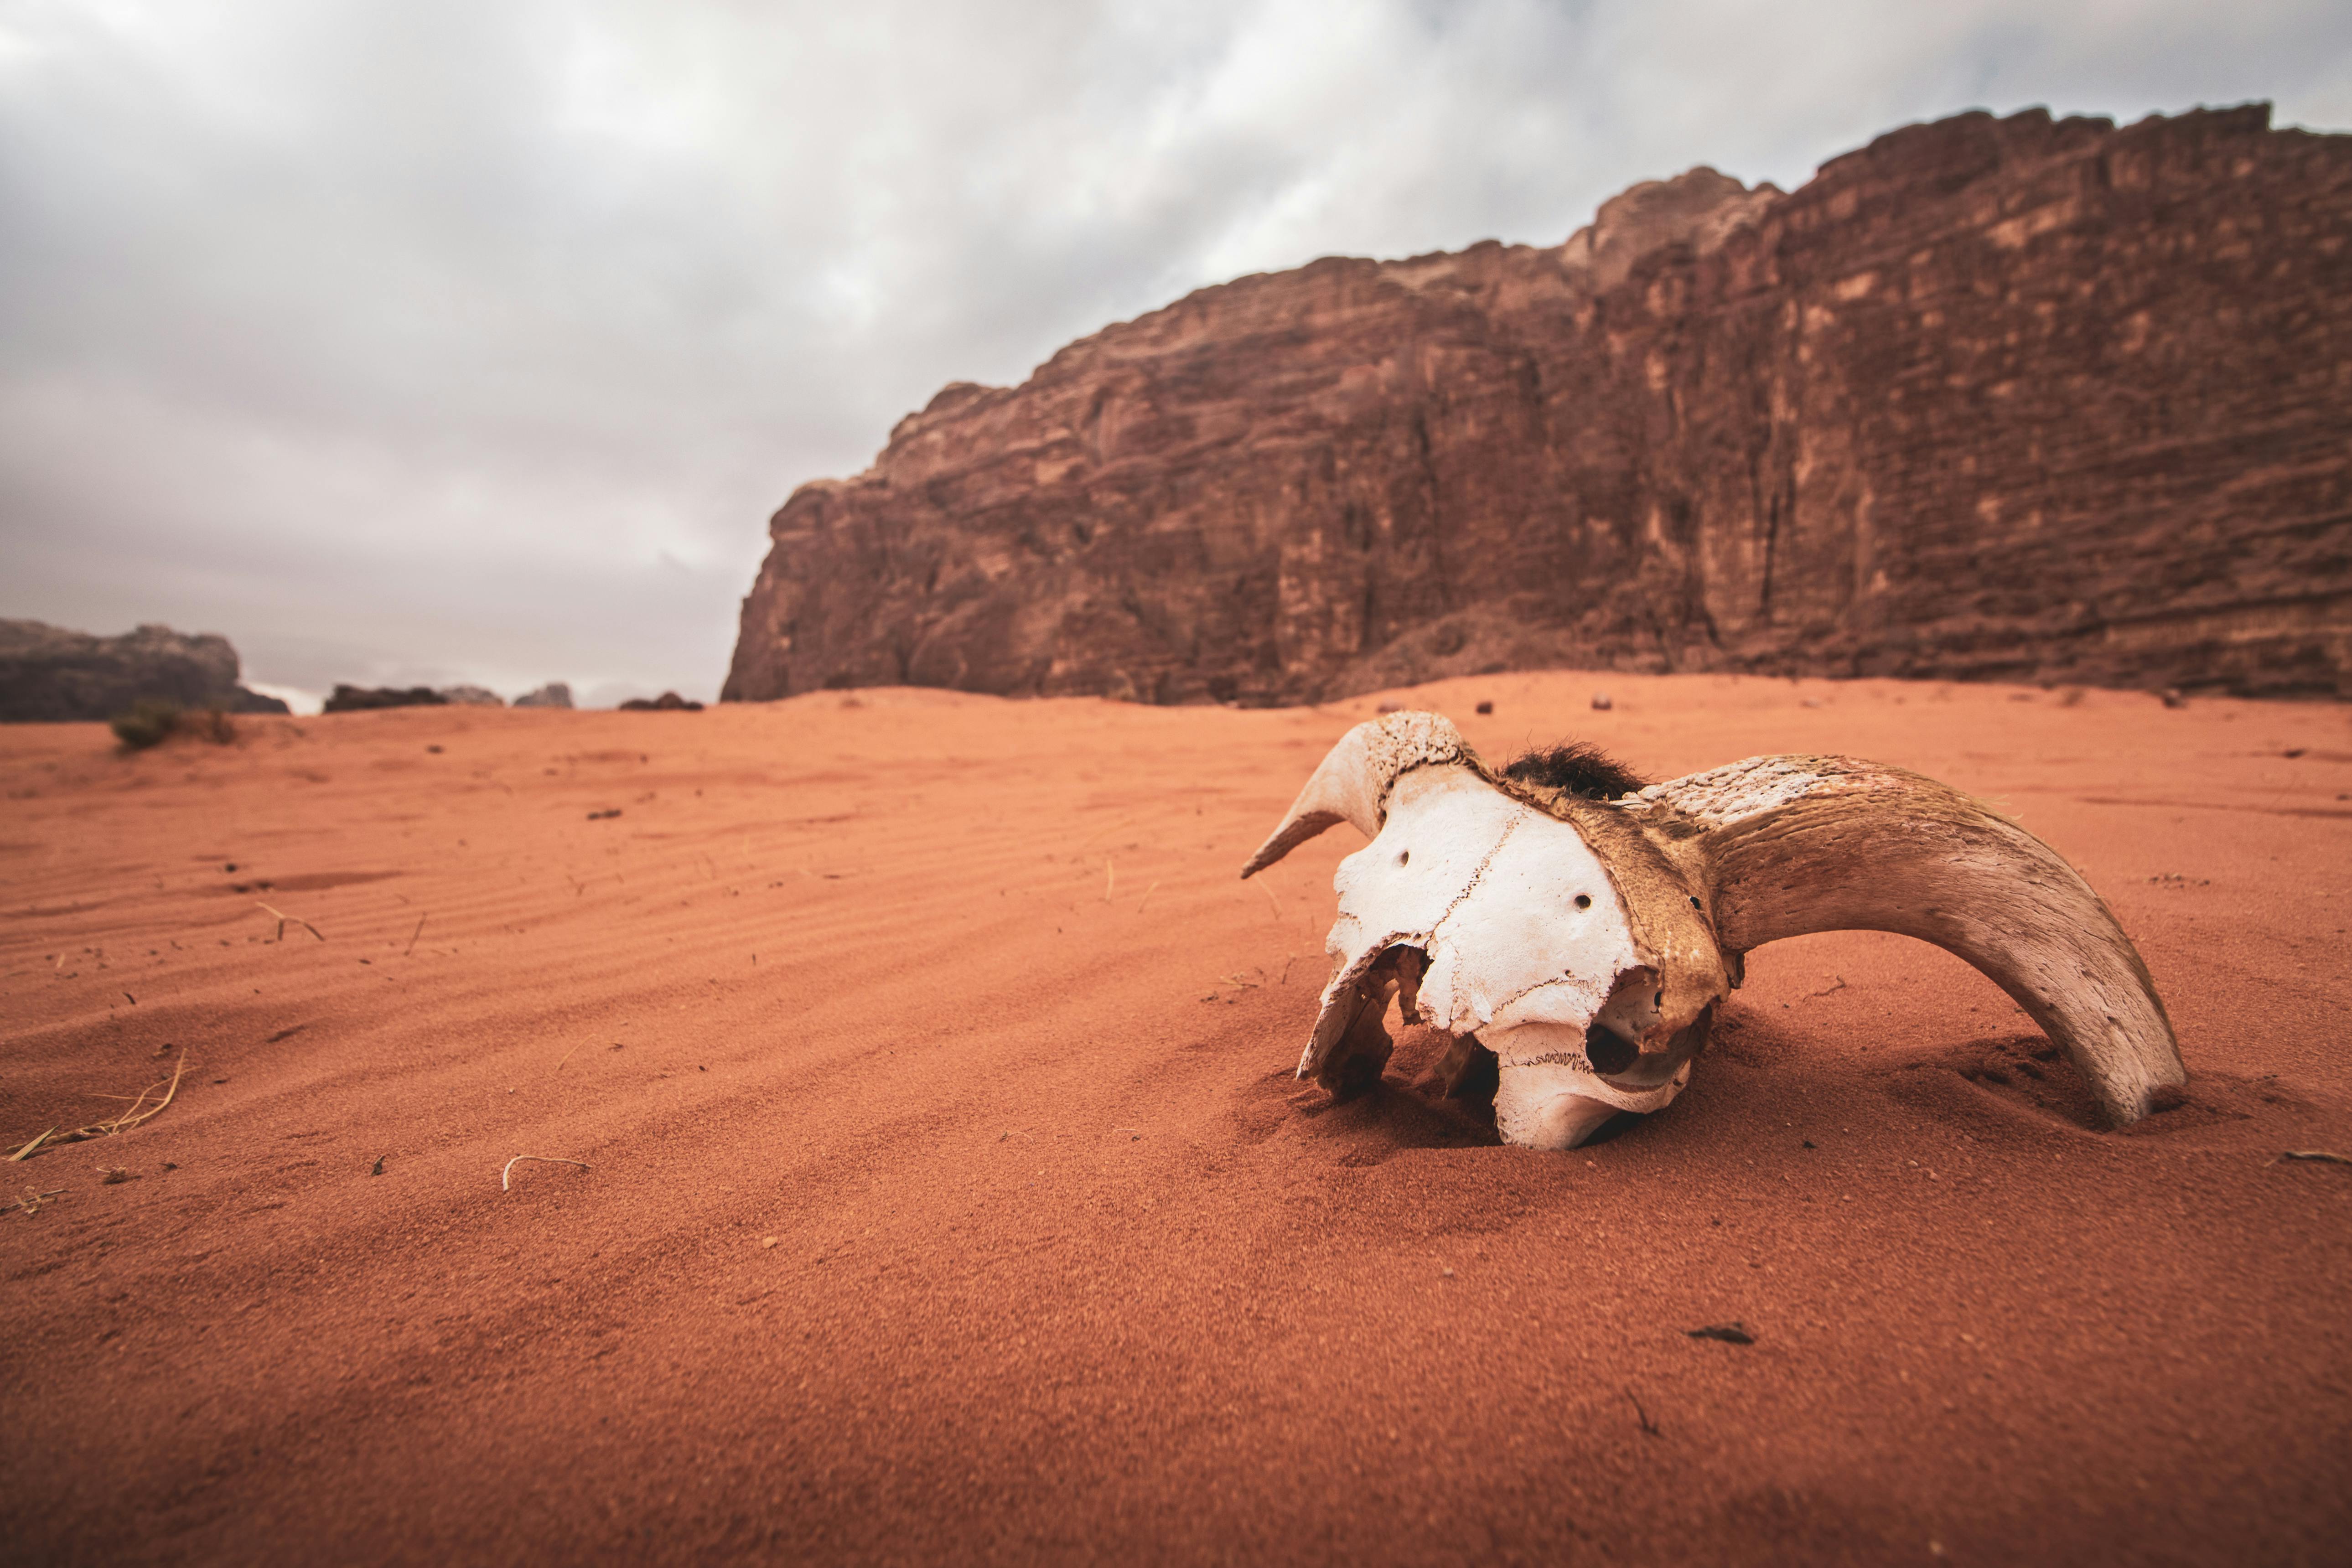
[[472, 697], [364, 699], [2015, 399], [49, 674], [668, 702], [554, 694]]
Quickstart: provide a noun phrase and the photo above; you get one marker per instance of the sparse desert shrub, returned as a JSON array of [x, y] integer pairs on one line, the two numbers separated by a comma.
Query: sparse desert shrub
[[150, 721], [146, 722]]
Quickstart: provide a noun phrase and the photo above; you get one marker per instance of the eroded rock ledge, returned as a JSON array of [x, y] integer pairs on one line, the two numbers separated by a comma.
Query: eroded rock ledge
[[50, 674], [2018, 399]]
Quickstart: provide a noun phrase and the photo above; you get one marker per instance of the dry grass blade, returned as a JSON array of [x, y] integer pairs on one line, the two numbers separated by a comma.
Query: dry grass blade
[[32, 1201], [139, 1113], [2316, 1156], [505, 1177], [1147, 897], [285, 920]]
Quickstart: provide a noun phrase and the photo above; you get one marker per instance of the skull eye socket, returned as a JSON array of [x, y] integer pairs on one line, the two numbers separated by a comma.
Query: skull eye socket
[[1584, 900]]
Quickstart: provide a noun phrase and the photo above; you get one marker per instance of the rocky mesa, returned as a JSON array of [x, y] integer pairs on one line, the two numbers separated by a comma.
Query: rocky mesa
[[50, 674], [2014, 398]]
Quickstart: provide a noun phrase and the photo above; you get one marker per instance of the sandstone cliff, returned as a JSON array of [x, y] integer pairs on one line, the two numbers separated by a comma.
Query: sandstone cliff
[[50, 674], [1990, 398]]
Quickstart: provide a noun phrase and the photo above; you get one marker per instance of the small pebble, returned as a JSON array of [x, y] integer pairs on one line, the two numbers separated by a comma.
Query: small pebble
[[767, 1241]]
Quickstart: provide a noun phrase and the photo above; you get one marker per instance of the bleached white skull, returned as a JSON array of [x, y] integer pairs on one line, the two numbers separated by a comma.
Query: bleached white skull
[[1586, 944]]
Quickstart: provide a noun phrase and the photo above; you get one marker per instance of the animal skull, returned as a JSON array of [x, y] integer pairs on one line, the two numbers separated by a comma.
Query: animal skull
[[1586, 944]]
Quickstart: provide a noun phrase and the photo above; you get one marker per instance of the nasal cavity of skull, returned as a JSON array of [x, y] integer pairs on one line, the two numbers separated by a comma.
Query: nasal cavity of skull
[[1405, 856], [1402, 966], [1611, 1042], [1607, 1051]]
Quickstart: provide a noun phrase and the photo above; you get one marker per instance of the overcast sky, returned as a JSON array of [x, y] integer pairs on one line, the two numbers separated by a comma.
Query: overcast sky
[[425, 342]]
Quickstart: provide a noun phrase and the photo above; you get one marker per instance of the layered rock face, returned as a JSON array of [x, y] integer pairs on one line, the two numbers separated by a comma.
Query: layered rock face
[[554, 694], [49, 674], [2015, 399]]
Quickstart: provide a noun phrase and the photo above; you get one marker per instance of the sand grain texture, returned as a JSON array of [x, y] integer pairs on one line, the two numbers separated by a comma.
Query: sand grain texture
[[949, 1198]]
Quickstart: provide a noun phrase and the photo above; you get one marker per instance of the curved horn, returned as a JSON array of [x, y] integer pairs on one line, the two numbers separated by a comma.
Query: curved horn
[[1788, 846], [1353, 782]]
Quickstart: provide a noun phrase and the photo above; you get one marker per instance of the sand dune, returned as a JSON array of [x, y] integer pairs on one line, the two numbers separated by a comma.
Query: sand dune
[[947, 1196]]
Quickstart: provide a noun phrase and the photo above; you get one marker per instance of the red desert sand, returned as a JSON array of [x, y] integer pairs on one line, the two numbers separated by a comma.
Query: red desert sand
[[943, 1194]]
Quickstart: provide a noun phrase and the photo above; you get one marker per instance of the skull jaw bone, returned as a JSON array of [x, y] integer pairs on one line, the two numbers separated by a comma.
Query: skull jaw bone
[[1533, 1115], [1553, 1105], [1542, 1101]]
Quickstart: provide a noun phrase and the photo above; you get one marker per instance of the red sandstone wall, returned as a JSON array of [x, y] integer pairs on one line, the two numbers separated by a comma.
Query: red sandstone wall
[[2013, 398]]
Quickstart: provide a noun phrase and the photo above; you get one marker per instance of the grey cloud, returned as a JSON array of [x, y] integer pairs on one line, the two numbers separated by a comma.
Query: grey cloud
[[447, 341]]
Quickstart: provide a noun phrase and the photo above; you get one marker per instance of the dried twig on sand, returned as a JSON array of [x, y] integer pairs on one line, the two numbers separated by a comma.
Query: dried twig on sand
[[2317, 1156], [1268, 890], [31, 1202], [140, 1111], [285, 920], [1732, 1333], [1147, 897], [413, 936], [505, 1177]]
